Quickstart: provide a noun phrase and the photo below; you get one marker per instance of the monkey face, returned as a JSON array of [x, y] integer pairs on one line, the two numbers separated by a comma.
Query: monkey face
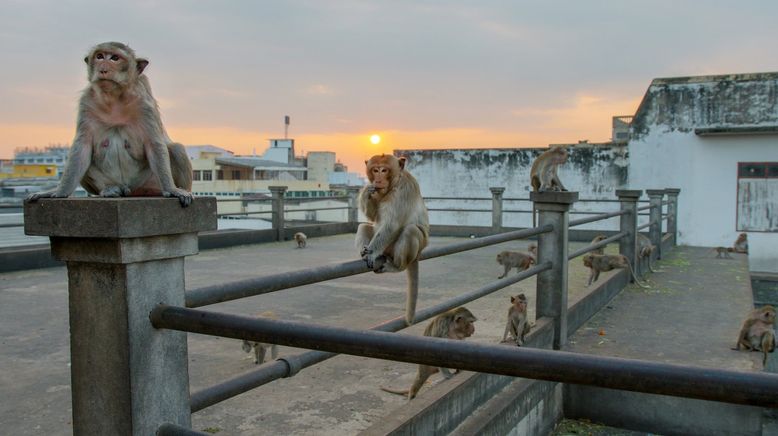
[[587, 260], [382, 171], [768, 315], [519, 303], [499, 258], [113, 62]]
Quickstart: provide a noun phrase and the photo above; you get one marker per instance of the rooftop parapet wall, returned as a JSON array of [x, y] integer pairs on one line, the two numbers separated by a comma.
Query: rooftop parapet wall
[[688, 103]]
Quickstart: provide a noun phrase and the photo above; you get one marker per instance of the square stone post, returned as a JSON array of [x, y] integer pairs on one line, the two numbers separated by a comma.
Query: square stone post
[[278, 210], [124, 256], [629, 223], [553, 208], [672, 212], [655, 215], [353, 205], [497, 209]]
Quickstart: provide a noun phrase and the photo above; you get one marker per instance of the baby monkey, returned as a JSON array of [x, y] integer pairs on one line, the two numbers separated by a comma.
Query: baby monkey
[[514, 259], [723, 252], [301, 239], [260, 348], [598, 263], [757, 333], [455, 324], [518, 324]]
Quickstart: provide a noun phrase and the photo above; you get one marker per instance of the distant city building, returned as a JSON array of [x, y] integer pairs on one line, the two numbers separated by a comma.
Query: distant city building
[[40, 162]]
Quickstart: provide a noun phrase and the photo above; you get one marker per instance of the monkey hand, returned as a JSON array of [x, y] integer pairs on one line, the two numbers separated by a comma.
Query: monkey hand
[[52, 193], [364, 252], [184, 196]]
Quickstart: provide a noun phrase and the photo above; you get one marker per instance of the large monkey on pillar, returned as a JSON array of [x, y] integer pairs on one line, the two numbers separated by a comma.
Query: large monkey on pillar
[[398, 227], [121, 147]]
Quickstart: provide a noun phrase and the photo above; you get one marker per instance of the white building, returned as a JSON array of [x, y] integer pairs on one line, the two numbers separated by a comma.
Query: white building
[[714, 137]]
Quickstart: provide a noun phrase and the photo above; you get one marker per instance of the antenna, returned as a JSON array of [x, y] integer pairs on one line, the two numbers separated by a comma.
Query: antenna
[[286, 126]]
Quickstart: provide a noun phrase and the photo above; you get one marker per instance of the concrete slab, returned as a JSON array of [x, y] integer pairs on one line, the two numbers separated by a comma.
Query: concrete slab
[[341, 396]]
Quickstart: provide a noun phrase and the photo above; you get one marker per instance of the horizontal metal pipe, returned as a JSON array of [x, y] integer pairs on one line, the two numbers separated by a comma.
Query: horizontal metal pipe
[[737, 387], [220, 215], [11, 225], [645, 207], [596, 245], [597, 217], [457, 210], [168, 429], [459, 198], [644, 226], [316, 209], [247, 200], [262, 285], [290, 365], [516, 211]]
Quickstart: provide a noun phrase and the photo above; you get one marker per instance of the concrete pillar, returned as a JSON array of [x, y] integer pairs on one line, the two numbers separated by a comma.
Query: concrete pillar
[[655, 215], [124, 256], [353, 205], [672, 213], [628, 223], [553, 208], [497, 209], [278, 210]]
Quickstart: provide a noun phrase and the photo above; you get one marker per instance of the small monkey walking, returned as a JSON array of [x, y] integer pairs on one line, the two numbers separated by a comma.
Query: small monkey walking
[[514, 259], [121, 147], [598, 263], [301, 239], [518, 324], [758, 332], [455, 324], [260, 348]]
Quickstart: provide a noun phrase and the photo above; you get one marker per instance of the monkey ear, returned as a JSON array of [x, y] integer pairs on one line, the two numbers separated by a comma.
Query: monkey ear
[[86, 59], [402, 162], [141, 63], [365, 163], [513, 299]]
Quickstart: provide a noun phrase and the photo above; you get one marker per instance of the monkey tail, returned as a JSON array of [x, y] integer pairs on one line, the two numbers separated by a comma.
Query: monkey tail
[[413, 291], [634, 277], [395, 391]]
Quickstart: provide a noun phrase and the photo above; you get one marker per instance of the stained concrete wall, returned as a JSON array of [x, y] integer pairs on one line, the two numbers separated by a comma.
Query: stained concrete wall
[[742, 111], [595, 171]]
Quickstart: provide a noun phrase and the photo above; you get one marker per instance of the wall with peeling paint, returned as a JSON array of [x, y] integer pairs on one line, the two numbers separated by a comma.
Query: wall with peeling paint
[[595, 171], [664, 147]]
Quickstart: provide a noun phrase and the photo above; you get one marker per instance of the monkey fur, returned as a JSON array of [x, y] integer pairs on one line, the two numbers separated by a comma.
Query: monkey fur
[[741, 244], [518, 324], [646, 250], [121, 147], [455, 324], [398, 227], [301, 239], [543, 174], [260, 348], [598, 263], [758, 332], [514, 259]]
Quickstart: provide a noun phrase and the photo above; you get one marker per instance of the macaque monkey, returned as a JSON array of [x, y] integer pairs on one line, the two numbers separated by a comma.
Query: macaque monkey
[[543, 175], [514, 259], [455, 324], [741, 244], [260, 348], [597, 239], [646, 250], [757, 333], [301, 239], [723, 252], [533, 250], [598, 263], [518, 324], [121, 147], [398, 227]]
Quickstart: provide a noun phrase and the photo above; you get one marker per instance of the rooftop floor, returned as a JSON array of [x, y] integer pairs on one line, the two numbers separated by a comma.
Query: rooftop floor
[[691, 314]]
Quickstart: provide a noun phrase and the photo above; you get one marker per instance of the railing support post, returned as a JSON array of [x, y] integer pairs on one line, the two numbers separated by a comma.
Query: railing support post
[[672, 213], [629, 223], [497, 209], [655, 215], [353, 205], [278, 210], [553, 208], [124, 256]]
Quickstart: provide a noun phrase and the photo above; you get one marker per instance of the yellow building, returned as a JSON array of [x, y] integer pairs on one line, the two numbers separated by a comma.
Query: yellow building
[[30, 171]]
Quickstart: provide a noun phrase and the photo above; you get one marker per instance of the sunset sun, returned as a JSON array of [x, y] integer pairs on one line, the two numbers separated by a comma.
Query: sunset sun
[[375, 139]]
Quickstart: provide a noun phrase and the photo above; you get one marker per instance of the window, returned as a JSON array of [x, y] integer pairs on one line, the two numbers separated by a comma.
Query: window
[[235, 174], [207, 175], [196, 175], [757, 197], [219, 174]]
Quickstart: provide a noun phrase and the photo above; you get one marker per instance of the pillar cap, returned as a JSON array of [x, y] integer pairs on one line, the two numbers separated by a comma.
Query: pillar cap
[[277, 188], [675, 191], [497, 190], [626, 194], [133, 217], [560, 197], [655, 192]]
